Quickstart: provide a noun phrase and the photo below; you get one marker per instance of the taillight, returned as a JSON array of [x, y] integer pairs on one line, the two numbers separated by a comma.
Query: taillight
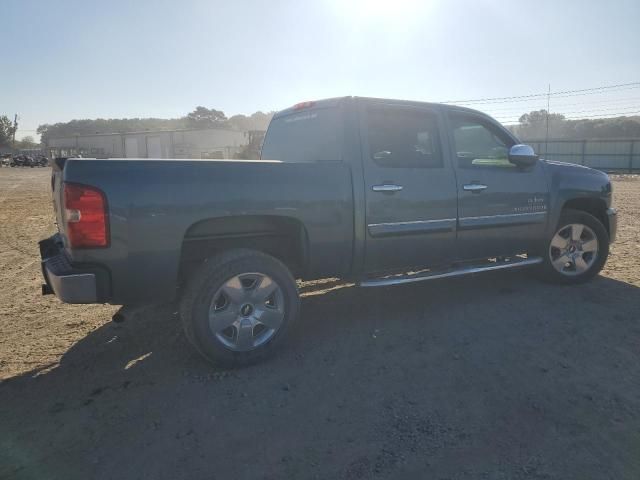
[[85, 214]]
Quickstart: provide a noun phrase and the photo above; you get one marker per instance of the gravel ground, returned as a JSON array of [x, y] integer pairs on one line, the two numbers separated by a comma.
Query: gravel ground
[[496, 376]]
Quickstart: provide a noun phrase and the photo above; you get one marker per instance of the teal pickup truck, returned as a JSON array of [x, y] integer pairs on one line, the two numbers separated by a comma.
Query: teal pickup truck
[[357, 188]]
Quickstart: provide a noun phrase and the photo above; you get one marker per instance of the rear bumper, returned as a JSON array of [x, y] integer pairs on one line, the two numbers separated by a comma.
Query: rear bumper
[[69, 283], [612, 216]]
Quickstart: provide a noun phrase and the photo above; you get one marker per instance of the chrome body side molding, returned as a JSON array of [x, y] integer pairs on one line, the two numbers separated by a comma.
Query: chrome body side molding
[[503, 219], [407, 228]]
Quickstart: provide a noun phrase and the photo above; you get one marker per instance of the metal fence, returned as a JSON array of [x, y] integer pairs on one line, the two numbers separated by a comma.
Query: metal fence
[[620, 155]]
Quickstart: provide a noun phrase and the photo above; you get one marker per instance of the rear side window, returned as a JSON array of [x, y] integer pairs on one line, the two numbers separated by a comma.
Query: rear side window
[[403, 137], [306, 136]]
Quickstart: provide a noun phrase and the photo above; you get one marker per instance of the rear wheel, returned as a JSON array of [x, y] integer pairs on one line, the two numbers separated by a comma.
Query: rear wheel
[[239, 306], [578, 249]]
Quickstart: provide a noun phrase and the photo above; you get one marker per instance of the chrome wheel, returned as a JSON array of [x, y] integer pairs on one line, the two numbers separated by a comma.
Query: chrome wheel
[[246, 311], [573, 249]]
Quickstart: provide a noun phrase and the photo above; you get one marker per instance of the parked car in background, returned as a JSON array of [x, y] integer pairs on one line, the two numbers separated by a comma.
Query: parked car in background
[[21, 160]]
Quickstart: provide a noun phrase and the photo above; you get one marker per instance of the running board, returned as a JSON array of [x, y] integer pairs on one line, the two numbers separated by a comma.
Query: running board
[[466, 270]]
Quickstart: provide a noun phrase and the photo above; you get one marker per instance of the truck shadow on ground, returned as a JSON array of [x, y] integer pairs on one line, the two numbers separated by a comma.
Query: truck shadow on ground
[[372, 381]]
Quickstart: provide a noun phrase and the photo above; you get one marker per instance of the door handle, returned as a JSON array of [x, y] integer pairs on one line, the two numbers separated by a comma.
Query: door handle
[[474, 187], [387, 187]]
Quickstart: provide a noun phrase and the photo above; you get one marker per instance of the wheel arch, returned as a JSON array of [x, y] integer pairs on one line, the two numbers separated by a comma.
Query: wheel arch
[[282, 237], [596, 207]]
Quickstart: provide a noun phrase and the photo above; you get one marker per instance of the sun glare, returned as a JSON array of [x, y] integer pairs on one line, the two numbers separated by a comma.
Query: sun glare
[[383, 8], [379, 9]]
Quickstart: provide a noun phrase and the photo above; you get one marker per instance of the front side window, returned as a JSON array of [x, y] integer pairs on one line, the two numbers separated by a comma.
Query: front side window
[[403, 137], [479, 144]]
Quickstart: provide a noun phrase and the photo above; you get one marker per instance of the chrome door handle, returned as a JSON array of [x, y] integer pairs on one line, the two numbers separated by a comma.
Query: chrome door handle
[[474, 187], [387, 187]]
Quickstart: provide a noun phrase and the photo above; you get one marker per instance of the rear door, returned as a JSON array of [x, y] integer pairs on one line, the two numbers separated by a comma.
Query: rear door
[[410, 188], [502, 208]]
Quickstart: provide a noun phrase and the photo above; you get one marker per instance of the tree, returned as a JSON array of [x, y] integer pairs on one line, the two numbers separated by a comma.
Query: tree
[[27, 143], [6, 131], [43, 131], [257, 121], [203, 117], [534, 124], [539, 117]]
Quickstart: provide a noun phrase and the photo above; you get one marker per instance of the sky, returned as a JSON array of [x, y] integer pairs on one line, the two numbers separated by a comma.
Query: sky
[[70, 59]]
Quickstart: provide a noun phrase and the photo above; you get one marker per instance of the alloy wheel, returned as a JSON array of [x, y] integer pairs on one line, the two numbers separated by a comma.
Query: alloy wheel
[[573, 249], [247, 311]]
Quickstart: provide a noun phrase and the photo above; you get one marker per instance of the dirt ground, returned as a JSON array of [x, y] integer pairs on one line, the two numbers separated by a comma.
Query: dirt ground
[[496, 376]]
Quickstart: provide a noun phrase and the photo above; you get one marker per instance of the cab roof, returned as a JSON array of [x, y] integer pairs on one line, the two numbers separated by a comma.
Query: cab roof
[[333, 102]]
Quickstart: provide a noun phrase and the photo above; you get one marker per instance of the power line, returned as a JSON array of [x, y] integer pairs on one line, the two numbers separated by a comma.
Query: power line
[[15, 128], [560, 112], [585, 91], [579, 117], [602, 102], [553, 95], [520, 108], [604, 115]]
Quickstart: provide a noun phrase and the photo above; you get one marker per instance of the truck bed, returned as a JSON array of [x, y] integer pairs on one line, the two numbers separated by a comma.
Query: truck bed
[[155, 204]]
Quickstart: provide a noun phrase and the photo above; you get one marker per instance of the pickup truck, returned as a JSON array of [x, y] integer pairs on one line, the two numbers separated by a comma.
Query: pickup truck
[[378, 192]]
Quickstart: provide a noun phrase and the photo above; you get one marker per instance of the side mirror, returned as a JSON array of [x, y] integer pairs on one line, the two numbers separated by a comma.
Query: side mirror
[[522, 155]]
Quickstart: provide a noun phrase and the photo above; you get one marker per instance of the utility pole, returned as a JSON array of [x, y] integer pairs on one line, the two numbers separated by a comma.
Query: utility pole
[[546, 138], [15, 127]]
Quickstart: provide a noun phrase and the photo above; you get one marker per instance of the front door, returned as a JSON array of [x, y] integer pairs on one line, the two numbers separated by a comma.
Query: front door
[[502, 208], [410, 187]]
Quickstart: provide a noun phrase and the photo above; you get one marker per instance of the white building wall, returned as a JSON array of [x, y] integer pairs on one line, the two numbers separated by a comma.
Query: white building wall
[[208, 143], [212, 143]]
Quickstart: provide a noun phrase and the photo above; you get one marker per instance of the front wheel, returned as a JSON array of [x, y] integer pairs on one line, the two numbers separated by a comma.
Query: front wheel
[[578, 249], [238, 307]]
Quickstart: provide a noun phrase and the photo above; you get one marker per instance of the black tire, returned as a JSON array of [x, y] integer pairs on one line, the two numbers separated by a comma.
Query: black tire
[[568, 216], [208, 279]]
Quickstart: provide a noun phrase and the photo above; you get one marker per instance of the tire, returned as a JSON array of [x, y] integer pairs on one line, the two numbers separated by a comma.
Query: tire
[[572, 244], [228, 298]]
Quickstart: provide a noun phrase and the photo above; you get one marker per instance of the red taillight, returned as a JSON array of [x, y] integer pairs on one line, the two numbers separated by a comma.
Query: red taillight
[[85, 214]]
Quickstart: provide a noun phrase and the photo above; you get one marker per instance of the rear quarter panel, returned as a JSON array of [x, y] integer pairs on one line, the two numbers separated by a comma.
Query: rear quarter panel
[[152, 203]]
